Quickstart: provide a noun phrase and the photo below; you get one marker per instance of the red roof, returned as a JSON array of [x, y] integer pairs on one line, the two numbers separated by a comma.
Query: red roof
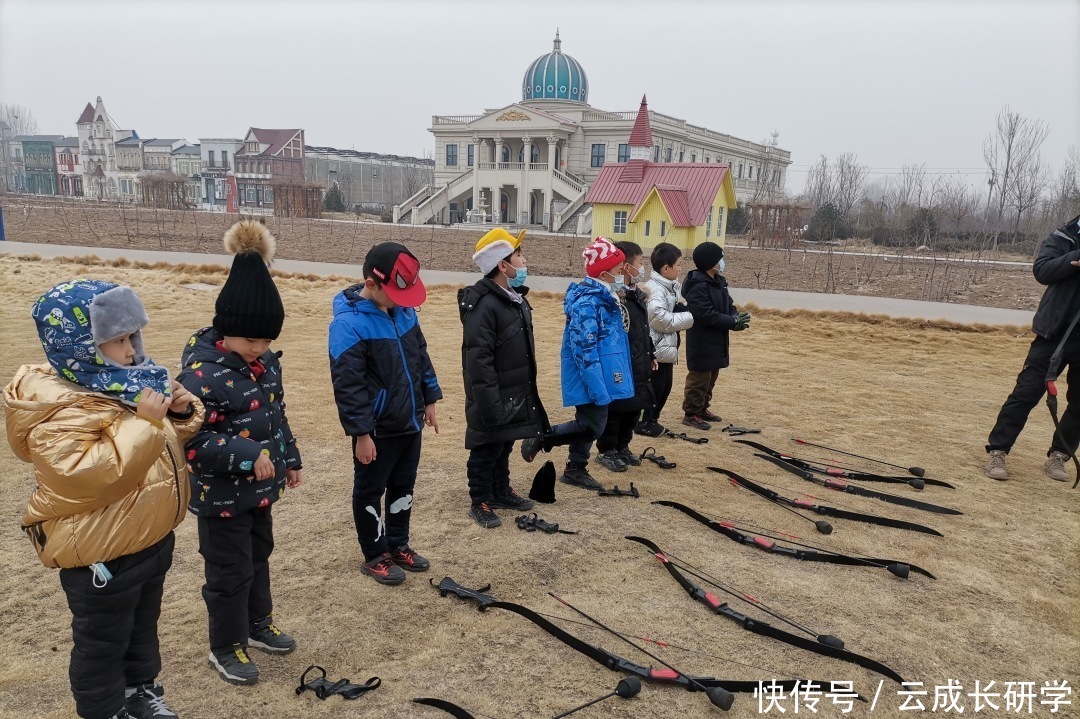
[[686, 189], [641, 135], [276, 139], [86, 116], [677, 204]]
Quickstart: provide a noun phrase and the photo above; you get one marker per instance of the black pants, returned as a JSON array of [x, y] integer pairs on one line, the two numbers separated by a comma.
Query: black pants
[[114, 628], [662, 379], [489, 471], [236, 551], [699, 390], [588, 424], [1029, 390], [393, 473], [619, 430]]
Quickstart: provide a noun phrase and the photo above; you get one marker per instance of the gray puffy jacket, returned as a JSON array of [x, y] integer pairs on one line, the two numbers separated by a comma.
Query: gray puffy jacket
[[665, 323]]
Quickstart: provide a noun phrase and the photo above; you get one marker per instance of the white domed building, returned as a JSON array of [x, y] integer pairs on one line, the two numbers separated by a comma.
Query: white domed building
[[531, 163]]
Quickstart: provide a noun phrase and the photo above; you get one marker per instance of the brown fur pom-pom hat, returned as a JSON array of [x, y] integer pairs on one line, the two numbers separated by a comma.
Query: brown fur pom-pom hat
[[249, 304]]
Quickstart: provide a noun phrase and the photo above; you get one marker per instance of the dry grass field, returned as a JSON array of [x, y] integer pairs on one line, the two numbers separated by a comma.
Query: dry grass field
[[1005, 606]]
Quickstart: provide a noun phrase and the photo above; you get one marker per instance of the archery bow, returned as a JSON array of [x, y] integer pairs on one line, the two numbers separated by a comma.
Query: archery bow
[[1053, 371], [837, 470], [841, 486], [822, 526], [761, 541], [757, 627], [917, 471]]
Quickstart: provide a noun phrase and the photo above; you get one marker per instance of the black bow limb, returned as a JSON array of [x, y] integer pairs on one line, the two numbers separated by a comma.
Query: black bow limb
[[824, 648], [808, 552], [449, 586]]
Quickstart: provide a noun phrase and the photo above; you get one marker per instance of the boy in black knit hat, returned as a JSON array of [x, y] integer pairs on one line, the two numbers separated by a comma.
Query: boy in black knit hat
[[244, 456], [707, 298]]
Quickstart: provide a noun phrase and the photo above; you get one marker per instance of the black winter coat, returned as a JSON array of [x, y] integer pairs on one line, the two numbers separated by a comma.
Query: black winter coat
[[1061, 300], [714, 313], [642, 353], [498, 365], [245, 417]]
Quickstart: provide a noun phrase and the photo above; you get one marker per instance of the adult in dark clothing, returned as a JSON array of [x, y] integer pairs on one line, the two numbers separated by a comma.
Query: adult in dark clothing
[[613, 446], [1058, 267], [707, 298], [498, 364]]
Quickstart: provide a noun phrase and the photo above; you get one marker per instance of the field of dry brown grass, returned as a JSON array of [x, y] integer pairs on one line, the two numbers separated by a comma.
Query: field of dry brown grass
[[1005, 605]]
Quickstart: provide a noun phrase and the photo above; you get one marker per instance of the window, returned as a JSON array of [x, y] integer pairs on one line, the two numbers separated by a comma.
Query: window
[[656, 153], [624, 153], [451, 155], [667, 154], [472, 154], [251, 195], [648, 226], [693, 157], [506, 153], [268, 195], [620, 222], [750, 174], [211, 158], [534, 154], [708, 224], [253, 147], [598, 154], [681, 155], [740, 170], [224, 159], [663, 228]]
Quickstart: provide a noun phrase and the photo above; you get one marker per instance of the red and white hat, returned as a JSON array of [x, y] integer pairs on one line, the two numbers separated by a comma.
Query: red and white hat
[[602, 256]]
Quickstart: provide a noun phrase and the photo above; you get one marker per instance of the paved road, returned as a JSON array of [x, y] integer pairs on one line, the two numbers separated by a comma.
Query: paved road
[[770, 299]]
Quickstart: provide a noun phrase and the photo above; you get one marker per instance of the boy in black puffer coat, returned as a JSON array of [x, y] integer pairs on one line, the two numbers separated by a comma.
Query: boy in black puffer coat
[[244, 456], [613, 445], [498, 363], [707, 298]]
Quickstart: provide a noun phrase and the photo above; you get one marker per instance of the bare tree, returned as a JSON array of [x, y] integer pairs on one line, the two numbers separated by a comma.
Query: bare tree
[[911, 185], [958, 201], [1030, 180], [1013, 144], [1066, 194], [820, 189], [20, 119], [850, 178]]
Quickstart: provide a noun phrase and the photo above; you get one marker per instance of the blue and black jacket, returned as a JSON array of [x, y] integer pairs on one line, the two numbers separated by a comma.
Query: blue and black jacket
[[382, 374]]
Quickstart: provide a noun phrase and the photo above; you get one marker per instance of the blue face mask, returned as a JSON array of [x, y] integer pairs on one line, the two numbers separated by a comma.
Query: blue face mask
[[519, 278], [720, 266], [619, 284]]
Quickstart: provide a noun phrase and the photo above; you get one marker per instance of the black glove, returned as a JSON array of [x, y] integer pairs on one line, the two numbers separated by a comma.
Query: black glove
[[742, 321]]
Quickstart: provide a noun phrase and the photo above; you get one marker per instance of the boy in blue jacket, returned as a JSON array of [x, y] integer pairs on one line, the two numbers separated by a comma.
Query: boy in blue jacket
[[596, 366], [386, 390]]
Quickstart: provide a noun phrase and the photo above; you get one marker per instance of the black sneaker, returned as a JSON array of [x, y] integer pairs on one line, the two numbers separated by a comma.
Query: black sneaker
[[383, 570], [612, 460], [511, 500], [147, 701], [695, 421], [531, 447], [649, 429], [234, 665], [268, 638], [710, 417], [629, 458], [579, 477], [409, 560], [482, 515], [122, 714]]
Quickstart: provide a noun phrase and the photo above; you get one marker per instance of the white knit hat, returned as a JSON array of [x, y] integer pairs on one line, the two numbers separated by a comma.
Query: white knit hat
[[494, 247]]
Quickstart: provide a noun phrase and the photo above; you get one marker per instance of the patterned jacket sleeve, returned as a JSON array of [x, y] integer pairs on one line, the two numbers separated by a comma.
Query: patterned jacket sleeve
[[348, 372], [292, 451], [217, 452], [584, 344]]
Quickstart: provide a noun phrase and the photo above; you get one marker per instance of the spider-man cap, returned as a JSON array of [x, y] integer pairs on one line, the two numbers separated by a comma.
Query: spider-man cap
[[398, 271]]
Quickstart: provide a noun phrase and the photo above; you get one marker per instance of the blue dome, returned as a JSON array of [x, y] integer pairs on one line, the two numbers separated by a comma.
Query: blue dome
[[555, 76]]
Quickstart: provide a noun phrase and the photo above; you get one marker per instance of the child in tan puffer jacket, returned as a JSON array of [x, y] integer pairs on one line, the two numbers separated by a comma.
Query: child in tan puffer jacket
[[104, 428]]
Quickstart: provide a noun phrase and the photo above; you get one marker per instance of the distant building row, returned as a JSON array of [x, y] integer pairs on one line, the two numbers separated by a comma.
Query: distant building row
[[109, 163]]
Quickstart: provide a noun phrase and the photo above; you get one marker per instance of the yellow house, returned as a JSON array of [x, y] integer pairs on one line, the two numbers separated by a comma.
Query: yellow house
[[651, 202]]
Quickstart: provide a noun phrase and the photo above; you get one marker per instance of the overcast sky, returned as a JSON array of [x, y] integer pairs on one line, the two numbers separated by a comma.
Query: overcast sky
[[895, 82]]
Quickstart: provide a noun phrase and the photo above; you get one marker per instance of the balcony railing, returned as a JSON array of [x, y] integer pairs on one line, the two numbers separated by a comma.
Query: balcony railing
[[595, 115], [453, 119], [486, 165]]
